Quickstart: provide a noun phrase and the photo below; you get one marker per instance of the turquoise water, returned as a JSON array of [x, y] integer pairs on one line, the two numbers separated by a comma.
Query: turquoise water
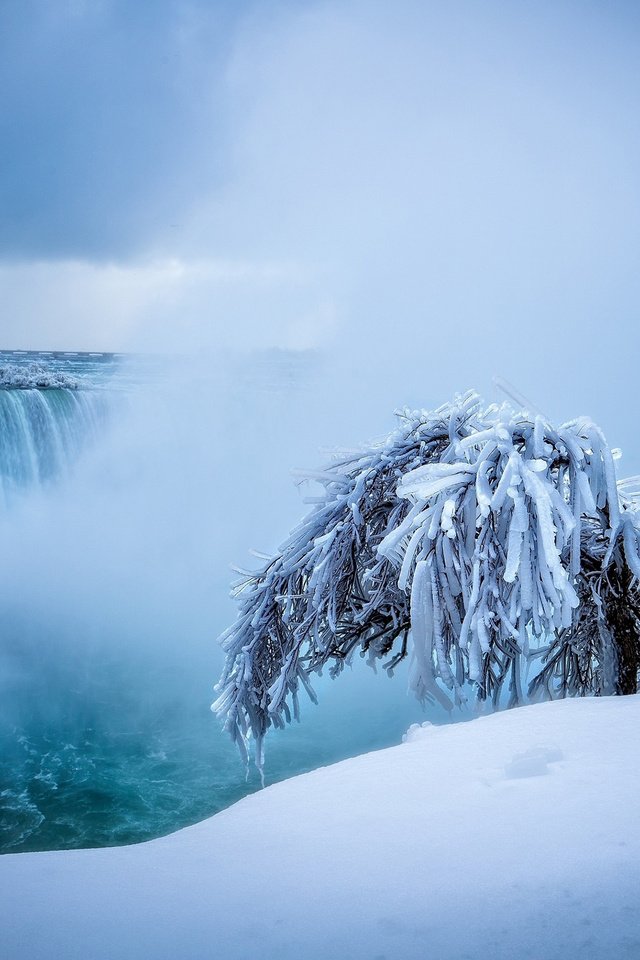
[[119, 522], [101, 770]]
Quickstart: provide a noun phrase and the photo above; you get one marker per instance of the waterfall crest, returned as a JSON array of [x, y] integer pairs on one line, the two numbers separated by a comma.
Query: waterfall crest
[[43, 431]]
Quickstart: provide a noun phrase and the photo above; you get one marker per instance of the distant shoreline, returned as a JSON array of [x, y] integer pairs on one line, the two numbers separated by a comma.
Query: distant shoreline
[[104, 354]]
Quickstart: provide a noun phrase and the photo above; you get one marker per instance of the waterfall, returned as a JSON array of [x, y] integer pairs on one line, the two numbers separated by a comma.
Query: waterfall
[[42, 432]]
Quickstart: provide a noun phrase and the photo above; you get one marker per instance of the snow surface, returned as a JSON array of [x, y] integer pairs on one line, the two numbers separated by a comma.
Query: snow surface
[[510, 836]]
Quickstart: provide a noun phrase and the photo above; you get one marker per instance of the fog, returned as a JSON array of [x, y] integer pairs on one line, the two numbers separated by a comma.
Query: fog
[[137, 541], [114, 585]]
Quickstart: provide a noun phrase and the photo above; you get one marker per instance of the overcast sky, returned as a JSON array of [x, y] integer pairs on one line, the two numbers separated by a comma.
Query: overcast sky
[[434, 193]]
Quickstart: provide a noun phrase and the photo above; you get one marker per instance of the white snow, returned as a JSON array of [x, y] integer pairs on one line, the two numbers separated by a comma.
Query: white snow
[[35, 376], [510, 836]]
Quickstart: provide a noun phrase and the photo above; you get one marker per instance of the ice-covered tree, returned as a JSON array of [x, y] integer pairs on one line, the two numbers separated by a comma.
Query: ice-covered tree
[[479, 540]]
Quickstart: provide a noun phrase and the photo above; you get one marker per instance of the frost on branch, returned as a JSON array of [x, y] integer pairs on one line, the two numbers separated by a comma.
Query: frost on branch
[[470, 536], [599, 651]]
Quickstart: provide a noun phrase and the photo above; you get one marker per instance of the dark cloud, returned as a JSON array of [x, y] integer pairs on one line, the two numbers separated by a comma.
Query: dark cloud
[[111, 120]]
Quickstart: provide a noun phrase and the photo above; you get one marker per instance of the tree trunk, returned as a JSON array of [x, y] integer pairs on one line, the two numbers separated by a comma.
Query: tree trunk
[[624, 630]]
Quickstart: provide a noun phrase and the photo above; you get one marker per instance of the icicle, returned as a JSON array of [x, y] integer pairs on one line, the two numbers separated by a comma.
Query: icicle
[[514, 551], [509, 473], [407, 561], [483, 490], [631, 535], [471, 606], [444, 669], [610, 479]]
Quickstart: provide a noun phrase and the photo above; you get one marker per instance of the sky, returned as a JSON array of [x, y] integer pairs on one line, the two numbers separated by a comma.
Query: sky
[[429, 194]]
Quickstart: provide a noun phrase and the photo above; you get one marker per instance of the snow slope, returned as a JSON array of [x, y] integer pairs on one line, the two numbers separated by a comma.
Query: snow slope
[[510, 836]]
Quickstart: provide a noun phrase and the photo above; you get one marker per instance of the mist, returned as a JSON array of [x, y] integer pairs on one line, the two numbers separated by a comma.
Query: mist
[[115, 583]]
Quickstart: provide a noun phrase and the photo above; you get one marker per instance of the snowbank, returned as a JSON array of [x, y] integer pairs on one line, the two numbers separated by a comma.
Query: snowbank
[[510, 836], [34, 376]]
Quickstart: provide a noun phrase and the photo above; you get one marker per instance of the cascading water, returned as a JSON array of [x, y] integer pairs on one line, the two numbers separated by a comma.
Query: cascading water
[[48, 415], [43, 432], [114, 582]]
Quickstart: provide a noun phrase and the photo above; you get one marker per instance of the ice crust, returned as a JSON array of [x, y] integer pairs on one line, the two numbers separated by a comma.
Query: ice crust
[[35, 376]]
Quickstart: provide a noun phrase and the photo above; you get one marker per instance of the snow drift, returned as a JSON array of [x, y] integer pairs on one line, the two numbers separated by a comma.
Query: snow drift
[[513, 835]]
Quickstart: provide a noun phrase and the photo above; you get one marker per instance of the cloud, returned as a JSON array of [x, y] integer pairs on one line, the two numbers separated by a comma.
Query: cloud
[[453, 189], [111, 122], [466, 179], [162, 305]]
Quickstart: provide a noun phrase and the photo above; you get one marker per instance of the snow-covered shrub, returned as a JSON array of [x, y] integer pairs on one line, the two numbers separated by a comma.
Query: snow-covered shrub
[[468, 536]]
